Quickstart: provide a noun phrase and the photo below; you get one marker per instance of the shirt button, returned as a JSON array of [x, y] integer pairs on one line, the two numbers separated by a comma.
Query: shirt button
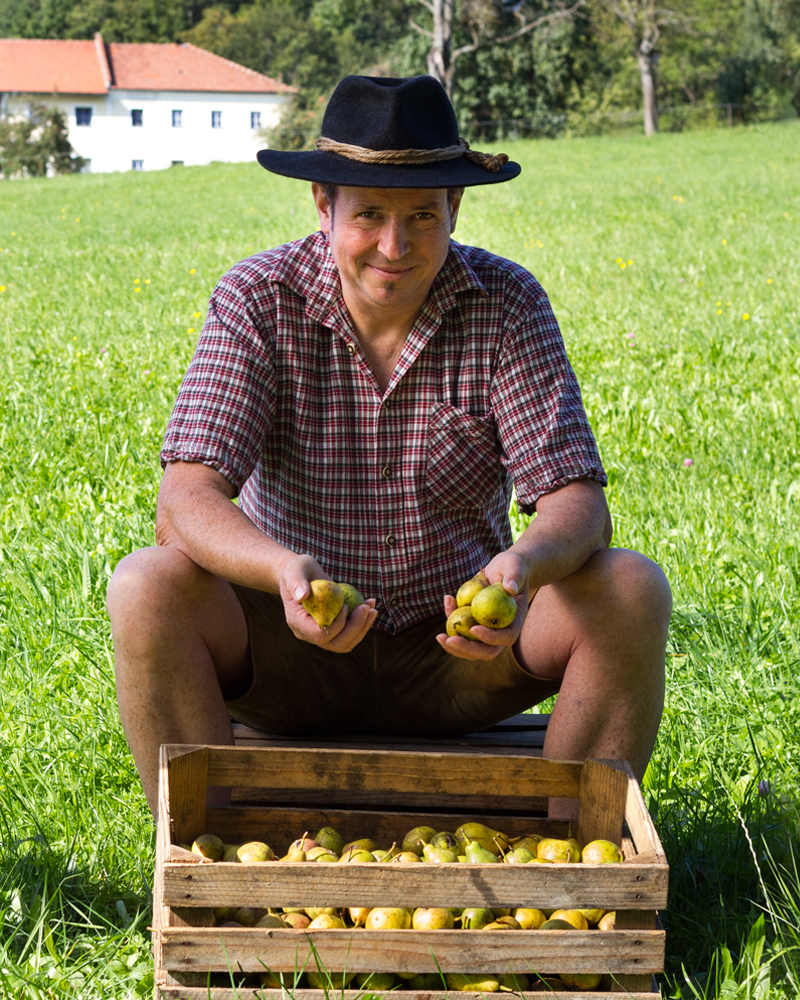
[[386, 404], [394, 602], [386, 472], [351, 349], [390, 540]]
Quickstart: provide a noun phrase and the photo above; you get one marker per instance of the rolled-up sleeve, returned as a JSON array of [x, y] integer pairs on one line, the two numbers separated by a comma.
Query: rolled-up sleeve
[[226, 402]]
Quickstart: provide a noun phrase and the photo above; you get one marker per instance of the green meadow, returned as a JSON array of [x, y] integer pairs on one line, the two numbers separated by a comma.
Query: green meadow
[[672, 266]]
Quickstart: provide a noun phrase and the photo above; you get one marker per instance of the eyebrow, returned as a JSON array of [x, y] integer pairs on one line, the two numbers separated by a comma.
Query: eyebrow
[[374, 206]]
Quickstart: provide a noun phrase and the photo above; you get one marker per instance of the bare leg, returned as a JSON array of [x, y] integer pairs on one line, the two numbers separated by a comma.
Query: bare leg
[[604, 630], [180, 639]]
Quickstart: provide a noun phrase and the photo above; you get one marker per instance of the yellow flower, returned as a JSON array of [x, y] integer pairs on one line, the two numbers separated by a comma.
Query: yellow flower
[[746, 316], [77, 220], [190, 330], [197, 315], [618, 260], [2, 288], [137, 289], [724, 243], [147, 281], [192, 271], [136, 281], [719, 303], [769, 281], [13, 234], [718, 311]]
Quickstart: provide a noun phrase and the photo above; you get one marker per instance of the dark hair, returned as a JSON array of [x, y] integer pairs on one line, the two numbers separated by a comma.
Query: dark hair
[[331, 190]]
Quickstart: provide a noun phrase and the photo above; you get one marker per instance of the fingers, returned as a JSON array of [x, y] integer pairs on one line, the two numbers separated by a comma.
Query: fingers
[[464, 649]]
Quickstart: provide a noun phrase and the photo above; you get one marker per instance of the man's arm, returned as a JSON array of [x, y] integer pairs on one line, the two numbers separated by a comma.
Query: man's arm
[[195, 514], [571, 524]]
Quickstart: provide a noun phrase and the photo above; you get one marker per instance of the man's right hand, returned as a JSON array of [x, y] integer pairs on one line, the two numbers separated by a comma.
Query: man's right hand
[[344, 633]]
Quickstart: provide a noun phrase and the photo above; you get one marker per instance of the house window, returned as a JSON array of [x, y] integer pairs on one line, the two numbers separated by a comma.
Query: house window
[[216, 119], [136, 116], [255, 119], [83, 116], [137, 164], [177, 163], [176, 119]]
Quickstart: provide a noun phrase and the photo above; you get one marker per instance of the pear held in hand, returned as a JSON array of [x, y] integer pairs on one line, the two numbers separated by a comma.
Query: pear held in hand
[[494, 607], [324, 602]]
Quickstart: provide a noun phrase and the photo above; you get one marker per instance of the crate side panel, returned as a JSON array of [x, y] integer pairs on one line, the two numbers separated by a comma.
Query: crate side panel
[[602, 798], [256, 993]]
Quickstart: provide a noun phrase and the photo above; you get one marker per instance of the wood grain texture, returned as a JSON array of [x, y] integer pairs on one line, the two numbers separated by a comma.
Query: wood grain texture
[[603, 794], [612, 887], [634, 920], [255, 993], [188, 781], [251, 950]]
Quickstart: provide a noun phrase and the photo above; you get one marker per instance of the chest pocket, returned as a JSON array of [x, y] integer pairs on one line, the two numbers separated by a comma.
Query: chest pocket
[[463, 463]]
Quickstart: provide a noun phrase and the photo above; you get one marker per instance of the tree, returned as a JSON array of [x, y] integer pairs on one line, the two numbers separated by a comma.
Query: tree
[[37, 145], [645, 20], [486, 22]]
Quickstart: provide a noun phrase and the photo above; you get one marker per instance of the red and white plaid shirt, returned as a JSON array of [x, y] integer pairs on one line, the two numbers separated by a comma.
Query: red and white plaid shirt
[[404, 494]]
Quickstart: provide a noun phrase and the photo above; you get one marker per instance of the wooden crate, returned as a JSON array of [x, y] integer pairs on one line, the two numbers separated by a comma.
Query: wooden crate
[[282, 790]]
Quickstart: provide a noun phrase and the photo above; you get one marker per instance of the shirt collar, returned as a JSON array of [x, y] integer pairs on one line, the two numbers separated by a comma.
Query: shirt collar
[[312, 274]]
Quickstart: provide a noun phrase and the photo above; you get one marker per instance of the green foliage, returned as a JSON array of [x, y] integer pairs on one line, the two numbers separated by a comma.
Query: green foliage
[[36, 145]]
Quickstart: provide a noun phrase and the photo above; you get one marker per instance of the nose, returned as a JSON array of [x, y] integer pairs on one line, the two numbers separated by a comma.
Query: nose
[[394, 242]]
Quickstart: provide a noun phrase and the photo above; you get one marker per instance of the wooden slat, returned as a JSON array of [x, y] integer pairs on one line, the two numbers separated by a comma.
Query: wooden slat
[[163, 834], [249, 950], [280, 826], [612, 887], [386, 777], [640, 822], [602, 797], [634, 920], [255, 993], [188, 773]]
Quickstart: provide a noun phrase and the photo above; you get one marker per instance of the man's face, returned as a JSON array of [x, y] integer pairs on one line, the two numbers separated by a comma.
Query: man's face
[[388, 243]]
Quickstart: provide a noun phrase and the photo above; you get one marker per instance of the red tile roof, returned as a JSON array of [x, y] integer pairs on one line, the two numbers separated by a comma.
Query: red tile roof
[[45, 66]]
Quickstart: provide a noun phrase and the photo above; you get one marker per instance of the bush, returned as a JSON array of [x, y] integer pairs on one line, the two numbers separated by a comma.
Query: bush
[[37, 146]]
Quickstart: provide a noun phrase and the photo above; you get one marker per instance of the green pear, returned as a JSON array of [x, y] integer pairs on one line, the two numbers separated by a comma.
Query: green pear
[[415, 839], [431, 918], [423, 982], [580, 980], [549, 984], [574, 917], [445, 839], [530, 841], [359, 914], [271, 920], [514, 982], [557, 851], [330, 838], [460, 622], [494, 607], [278, 980], [503, 924], [388, 918], [574, 850], [439, 855], [247, 916], [324, 602], [326, 859], [209, 846], [352, 598], [519, 856], [357, 857], [298, 921], [294, 855], [231, 852], [406, 857], [471, 982], [255, 853], [375, 981], [475, 918], [315, 911], [467, 591], [600, 852], [316, 852], [477, 855], [364, 844], [557, 925], [593, 917], [329, 980], [492, 840]]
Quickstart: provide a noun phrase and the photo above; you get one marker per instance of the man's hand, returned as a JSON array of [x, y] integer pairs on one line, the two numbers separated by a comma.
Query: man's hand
[[510, 570], [344, 633]]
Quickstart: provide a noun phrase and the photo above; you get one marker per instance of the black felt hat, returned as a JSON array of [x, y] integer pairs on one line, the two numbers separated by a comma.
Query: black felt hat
[[386, 132]]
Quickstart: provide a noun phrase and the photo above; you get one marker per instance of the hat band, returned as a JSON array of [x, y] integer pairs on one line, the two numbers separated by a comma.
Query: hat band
[[410, 157]]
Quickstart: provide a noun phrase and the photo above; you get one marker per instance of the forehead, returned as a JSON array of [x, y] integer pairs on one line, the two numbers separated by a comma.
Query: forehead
[[394, 199]]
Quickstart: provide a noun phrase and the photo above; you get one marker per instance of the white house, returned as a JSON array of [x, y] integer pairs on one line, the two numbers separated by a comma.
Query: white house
[[142, 106]]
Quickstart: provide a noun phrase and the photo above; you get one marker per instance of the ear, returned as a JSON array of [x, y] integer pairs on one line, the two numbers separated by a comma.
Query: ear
[[454, 210], [323, 207]]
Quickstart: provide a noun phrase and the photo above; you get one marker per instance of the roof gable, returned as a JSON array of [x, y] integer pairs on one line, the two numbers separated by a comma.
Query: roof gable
[[47, 66]]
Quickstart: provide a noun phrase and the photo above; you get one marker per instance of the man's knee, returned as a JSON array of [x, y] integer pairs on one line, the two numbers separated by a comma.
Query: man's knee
[[637, 583], [148, 580]]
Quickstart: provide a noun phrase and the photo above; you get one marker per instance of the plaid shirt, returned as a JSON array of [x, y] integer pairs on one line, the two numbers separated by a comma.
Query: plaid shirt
[[404, 494]]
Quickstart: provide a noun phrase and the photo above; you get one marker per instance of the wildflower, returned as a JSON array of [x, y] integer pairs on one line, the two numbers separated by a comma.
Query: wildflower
[[769, 281], [763, 788], [630, 263], [680, 280], [147, 281], [2, 288], [631, 336], [197, 315], [745, 315], [618, 260], [13, 234], [103, 350], [136, 281], [192, 271], [724, 243], [719, 312], [77, 220], [719, 303], [146, 371], [137, 289], [190, 330], [688, 463]]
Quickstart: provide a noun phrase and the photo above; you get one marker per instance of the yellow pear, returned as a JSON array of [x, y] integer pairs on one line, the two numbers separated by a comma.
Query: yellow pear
[[494, 607], [460, 622], [574, 917], [514, 982], [209, 846], [468, 590], [554, 850], [468, 982], [324, 602], [608, 921], [431, 918], [529, 919], [325, 920], [352, 597], [388, 918], [580, 980], [601, 852]]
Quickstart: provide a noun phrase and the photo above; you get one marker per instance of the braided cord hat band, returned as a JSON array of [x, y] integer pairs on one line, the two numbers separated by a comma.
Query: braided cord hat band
[[410, 157]]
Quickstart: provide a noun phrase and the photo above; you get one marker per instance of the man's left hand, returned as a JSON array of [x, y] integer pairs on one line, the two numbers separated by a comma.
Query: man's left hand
[[510, 570]]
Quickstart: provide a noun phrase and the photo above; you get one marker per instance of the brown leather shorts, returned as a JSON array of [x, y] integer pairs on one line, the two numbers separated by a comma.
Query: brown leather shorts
[[403, 684]]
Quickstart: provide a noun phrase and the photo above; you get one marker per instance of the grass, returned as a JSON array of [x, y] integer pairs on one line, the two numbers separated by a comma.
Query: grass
[[689, 363]]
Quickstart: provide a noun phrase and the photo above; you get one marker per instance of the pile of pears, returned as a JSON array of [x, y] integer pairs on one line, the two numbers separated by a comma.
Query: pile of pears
[[327, 599], [481, 603]]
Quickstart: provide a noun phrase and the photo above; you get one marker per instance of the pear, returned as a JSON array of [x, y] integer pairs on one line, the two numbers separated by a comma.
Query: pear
[[294, 854], [445, 839], [478, 855], [529, 919], [324, 602], [423, 982], [599, 852], [316, 852], [298, 921], [574, 917], [277, 980], [406, 857], [557, 925], [357, 857], [323, 858], [431, 918], [514, 982], [475, 918], [208, 846], [271, 920], [388, 918], [580, 980], [530, 841], [315, 911], [540, 861], [255, 853], [494, 607], [247, 916], [491, 840], [593, 917], [557, 851], [439, 855], [352, 598], [471, 982], [359, 914], [329, 980], [231, 852], [608, 921], [326, 921], [375, 981], [364, 844], [519, 856], [415, 839], [305, 843], [549, 984], [467, 591], [504, 924], [330, 838], [574, 850], [224, 912], [460, 622]]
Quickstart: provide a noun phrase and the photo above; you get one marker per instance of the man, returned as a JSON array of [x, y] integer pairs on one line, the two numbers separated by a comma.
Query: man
[[370, 394]]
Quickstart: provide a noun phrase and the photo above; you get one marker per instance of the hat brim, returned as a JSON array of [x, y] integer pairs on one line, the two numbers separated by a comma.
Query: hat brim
[[330, 168]]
